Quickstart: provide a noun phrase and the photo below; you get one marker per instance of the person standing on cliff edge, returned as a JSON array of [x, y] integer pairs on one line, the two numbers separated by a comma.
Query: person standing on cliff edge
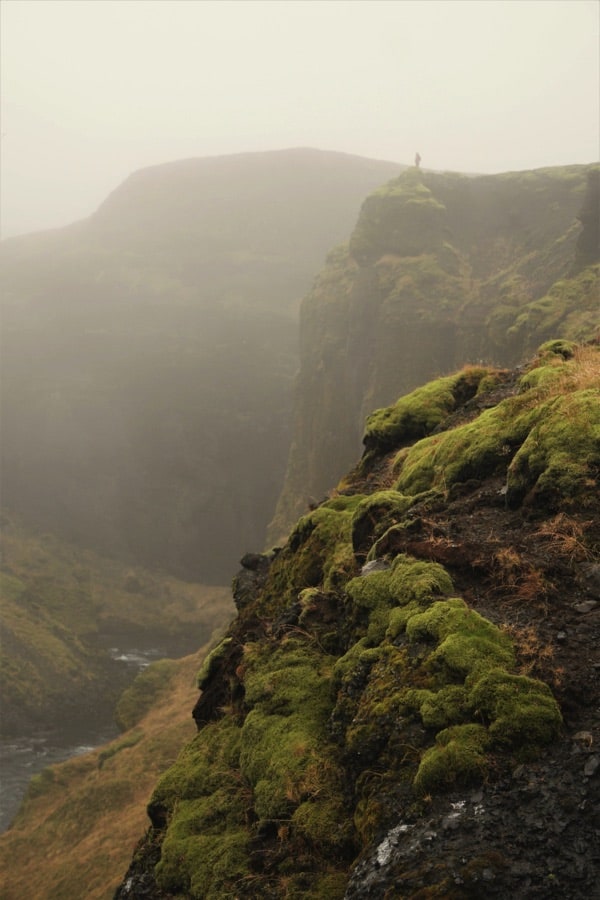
[[417, 159]]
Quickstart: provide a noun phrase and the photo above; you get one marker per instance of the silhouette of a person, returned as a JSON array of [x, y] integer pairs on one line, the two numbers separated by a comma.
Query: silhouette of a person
[[417, 160]]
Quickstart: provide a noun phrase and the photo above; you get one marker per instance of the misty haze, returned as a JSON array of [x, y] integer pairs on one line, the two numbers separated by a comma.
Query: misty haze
[[300, 408]]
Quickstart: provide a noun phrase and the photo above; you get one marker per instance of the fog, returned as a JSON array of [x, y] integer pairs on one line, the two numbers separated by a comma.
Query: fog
[[94, 89]]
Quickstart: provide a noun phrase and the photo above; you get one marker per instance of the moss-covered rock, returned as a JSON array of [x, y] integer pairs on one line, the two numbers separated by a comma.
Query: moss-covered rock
[[403, 217], [356, 692], [522, 711], [441, 270], [319, 552], [545, 439], [209, 664], [374, 515], [458, 758], [560, 458], [416, 415]]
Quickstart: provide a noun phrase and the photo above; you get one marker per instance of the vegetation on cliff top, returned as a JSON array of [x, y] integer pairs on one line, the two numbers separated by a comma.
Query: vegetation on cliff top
[[351, 692], [441, 270]]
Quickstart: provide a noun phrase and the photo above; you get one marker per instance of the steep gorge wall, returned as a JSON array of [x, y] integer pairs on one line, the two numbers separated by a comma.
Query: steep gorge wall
[[148, 354], [441, 270]]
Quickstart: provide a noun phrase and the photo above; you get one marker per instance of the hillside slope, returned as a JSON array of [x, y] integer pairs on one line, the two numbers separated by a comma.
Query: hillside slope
[[83, 816], [441, 270], [148, 354], [407, 704], [64, 610]]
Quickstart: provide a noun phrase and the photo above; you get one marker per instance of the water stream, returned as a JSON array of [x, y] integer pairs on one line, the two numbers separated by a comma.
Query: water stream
[[23, 757]]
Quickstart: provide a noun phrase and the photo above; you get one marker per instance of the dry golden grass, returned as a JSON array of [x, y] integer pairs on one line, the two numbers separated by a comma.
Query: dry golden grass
[[585, 371], [75, 838], [565, 537], [579, 373], [535, 657], [520, 580], [508, 566]]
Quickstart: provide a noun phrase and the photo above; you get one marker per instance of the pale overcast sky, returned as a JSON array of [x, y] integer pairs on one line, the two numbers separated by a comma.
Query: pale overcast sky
[[94, 89]]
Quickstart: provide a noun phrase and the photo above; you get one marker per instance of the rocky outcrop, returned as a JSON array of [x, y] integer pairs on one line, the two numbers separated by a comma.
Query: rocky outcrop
[[407, 702], [441, 270]]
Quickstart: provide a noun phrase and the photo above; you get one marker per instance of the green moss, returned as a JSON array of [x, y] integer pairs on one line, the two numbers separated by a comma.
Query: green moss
[[339, 566], [489, 382], [413, 579], [354, 664], [319, 745], [417, 414], [444, 684], [206, 764], [570, 308], [464, 652], [561, 453], [129, 740], [208, 666], [403, 217], [309, 885], [558, 347], [370, 590], [438, 621], [318, 553], [141, 695], [473, 450], [458, 758], [375, 515], [448, 706], [284, 749], [372, 719], [466, 642], [324, 824], [200, 864], [399, 617], [543, 379], [550, 429], [342, 503], [522, 710], [281, 680], [406, 582]]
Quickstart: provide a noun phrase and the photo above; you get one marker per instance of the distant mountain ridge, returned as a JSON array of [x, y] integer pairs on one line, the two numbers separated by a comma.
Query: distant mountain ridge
[[148, 353]]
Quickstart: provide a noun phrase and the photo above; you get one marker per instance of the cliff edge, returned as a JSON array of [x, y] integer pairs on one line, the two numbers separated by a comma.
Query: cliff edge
[[407, 704]]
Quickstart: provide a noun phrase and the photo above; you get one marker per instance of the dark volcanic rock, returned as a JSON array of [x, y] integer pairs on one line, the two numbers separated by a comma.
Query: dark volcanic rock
[[428, 726]]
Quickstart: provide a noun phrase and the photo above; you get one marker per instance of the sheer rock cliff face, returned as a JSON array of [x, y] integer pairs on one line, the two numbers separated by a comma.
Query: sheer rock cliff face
[[441, 270], [407, 704]]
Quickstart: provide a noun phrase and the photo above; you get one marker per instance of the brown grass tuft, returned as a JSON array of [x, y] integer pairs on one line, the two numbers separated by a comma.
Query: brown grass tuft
[[565, 537], [535, 657]]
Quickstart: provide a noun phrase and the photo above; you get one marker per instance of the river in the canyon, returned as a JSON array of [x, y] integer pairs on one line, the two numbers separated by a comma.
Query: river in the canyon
[[23, 757]]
